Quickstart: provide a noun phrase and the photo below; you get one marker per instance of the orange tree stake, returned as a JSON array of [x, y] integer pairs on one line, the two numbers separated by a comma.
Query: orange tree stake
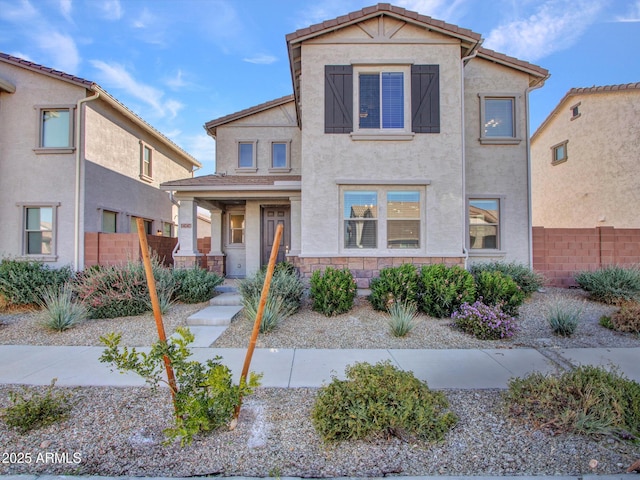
[[151, 282], [256, 324]]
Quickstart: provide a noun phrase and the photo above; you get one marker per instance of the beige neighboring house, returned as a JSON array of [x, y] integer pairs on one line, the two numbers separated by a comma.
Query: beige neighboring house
[[586, 159], [403, 141], [73, 160]]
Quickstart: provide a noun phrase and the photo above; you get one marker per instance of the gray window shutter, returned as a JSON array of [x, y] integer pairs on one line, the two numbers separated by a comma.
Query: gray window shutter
[[425, 98], [338, 99]]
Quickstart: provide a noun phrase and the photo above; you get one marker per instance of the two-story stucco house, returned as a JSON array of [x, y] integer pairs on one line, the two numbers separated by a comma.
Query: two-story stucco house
[[403, 141], [585, 160], [73, 160]]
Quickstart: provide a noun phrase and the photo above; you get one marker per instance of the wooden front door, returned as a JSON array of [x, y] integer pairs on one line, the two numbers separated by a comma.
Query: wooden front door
[[271, 218]]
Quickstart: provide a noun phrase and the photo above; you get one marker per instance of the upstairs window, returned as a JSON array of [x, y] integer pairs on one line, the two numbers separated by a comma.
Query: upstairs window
[[280, 157], [498, 117], [55, 129], [146, 162], [559, 153], [247, 156], [381, 100], [575, 111]]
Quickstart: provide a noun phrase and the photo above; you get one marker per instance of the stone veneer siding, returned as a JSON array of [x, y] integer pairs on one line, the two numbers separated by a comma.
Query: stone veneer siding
[[364, 268]]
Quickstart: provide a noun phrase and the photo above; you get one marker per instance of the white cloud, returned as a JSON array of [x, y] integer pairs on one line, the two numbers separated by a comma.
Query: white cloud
[[61, 48], [144, 20], [65, 8], [632, 15], [555, 26], [111, 9], [116, 76], [446, 10], [203, 148], [17, 12], [261, 59], [177, 82]]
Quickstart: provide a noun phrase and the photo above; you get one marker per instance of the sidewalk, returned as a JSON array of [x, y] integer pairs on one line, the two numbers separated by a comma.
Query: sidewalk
[[290, 368]]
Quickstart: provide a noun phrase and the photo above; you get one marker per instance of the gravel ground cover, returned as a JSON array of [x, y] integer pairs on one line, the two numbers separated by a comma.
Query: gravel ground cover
[[118, 431]]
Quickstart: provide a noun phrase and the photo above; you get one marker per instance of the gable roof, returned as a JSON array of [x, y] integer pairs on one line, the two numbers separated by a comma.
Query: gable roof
[[211, 125], [585, 91], [93, 87]]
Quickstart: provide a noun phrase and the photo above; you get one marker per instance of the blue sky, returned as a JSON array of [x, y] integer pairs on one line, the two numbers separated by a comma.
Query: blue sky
[[181, 63]]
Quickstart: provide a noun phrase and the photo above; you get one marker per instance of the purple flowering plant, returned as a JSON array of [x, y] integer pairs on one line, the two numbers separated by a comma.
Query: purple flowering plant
[[486, 322]]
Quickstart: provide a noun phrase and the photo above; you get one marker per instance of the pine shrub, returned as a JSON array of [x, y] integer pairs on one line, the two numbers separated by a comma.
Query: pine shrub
[[612, 285], [495, 288], [445, 288], [394, 284], [332, 291], [22, 282], [380, 399], [486, 322], [527, 279]]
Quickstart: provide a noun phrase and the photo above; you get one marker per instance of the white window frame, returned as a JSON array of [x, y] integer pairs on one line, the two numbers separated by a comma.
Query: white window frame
[[500, 244], [287, 167], [516, 136], [231, 230], [53, 256], [254, 166], [382, 190], [146, 174], [40, 147], [403, 133]]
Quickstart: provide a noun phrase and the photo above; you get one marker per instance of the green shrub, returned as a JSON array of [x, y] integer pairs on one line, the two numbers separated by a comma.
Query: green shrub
[[486, 322], [195, 285], [61, 311], [275, 310], [528, 280], [30, 409], [333, 291], [612, 285], [606, 322], [444, 289], [114, 291], [588, 400], [21, 282], [380, 399], [495, 288], [285, 283], [395, 284], [206, 397], [402, 318], [563, 316]]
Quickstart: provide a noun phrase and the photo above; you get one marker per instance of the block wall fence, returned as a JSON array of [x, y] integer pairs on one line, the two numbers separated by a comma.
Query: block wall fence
[[117, 248]]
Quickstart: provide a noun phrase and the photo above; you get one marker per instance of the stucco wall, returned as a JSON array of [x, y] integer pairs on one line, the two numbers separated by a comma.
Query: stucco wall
[[27, 177], [599, 182], [277, 124], [328, 158], [498, 170]]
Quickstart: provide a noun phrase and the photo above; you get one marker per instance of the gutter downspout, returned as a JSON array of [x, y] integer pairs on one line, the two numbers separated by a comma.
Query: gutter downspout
[[529, 197], [79, 155], [463, 61]]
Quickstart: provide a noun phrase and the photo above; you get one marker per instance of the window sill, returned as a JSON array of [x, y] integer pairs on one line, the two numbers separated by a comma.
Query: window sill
[[558, 162], [45, 150], [246, 170], [486, 253], [499, 141], [145, 178], [39, 258], [279, 170], [382, 136]]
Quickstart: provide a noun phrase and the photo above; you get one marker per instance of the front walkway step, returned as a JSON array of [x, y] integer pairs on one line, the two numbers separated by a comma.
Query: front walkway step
[[205, 335], [227, 298], [218, 315]]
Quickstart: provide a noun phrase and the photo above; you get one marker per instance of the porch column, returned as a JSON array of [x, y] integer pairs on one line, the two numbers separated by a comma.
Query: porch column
[[188, 229], [216, 232], [296, 225]]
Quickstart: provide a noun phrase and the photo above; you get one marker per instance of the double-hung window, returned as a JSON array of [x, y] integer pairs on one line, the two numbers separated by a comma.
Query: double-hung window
[[39, 230], [247, 156], [499, 119], [146, 162], [484, 223], [280, 156], [236, 228], [55, 129], [381, 100], [382, 218]]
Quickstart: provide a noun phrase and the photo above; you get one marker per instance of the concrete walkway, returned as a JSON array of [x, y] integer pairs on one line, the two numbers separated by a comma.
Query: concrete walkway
[[289, 368]]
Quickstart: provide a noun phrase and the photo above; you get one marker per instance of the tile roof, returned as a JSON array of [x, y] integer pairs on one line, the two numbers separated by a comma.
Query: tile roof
[[582, 91], [46, 70], [513, 62], [232, 181], [212, 124]]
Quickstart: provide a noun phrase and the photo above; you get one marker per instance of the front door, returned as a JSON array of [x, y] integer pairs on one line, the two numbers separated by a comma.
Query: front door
[[273, 216]]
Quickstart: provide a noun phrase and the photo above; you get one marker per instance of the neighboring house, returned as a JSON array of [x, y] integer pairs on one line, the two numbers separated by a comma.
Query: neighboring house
[[585, 160], [404, 141], [74, 160]]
